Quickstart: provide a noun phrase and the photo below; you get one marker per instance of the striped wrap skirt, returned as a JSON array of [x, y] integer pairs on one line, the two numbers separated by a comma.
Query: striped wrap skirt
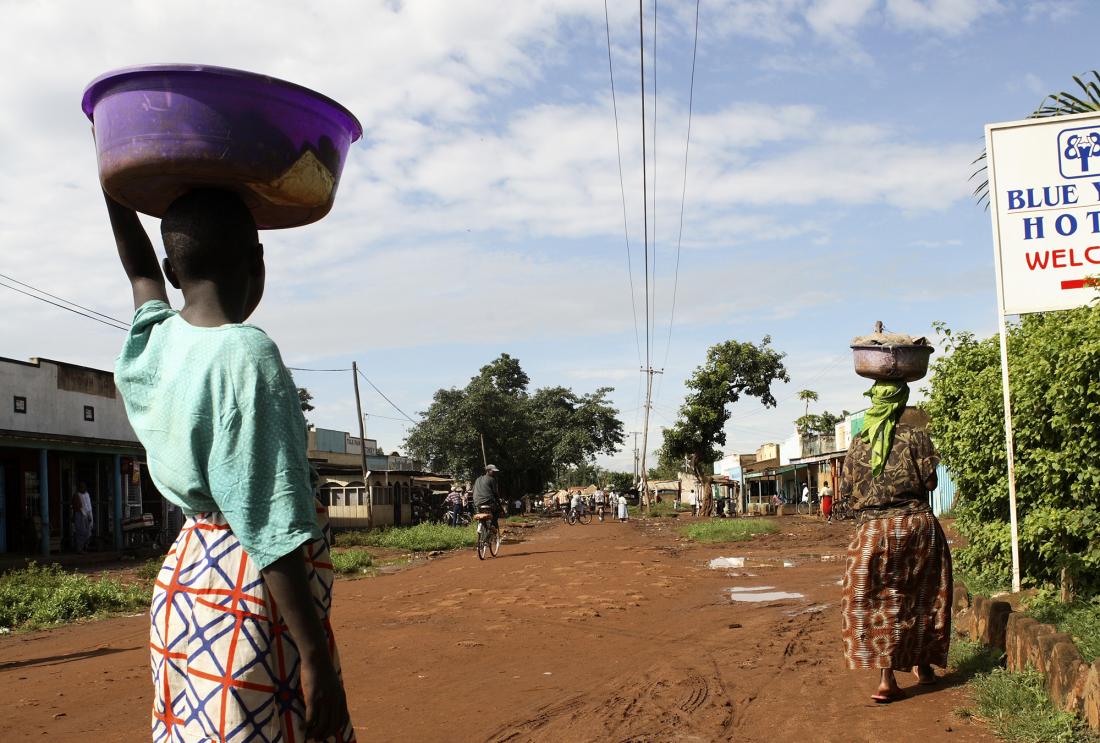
[[225, 667], [897, 589]]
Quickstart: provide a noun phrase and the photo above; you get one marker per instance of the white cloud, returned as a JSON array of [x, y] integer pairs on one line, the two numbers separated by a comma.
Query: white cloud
[[950, 17]]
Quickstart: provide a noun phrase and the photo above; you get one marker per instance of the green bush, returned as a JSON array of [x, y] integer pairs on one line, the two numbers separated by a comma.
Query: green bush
[[352, 561], [420, 538], [1053, 358], [1081, 619], [727, 530], [1016, 708], [39, 596]]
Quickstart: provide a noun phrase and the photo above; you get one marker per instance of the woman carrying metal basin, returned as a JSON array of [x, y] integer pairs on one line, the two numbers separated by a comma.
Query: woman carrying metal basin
[[896, 602]]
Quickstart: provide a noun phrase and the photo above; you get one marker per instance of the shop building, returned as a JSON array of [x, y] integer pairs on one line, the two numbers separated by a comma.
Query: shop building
[[63, 424]]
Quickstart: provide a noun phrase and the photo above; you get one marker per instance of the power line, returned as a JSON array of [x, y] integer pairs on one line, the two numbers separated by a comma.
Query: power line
[[62, 299], [622, 185], [391, 402], [683, 190], [653, 139], [298, 368], [123, 328], [645, 188]]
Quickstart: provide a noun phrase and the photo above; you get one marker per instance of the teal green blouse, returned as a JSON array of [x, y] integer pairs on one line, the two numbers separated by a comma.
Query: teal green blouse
[[223, 430]]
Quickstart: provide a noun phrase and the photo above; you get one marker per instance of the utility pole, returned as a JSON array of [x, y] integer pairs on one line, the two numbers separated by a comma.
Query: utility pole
[[635, 434], [649, 372], [363, 446]]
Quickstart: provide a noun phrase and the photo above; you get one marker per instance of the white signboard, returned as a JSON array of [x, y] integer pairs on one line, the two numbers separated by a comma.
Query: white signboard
[[1044, 196]]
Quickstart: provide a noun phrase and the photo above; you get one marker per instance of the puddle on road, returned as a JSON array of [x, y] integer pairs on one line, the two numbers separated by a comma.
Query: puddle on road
[[721, 563], [757, 594]]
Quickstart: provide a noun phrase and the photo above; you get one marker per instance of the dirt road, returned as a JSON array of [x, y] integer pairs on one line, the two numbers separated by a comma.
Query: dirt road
[[606, 632]]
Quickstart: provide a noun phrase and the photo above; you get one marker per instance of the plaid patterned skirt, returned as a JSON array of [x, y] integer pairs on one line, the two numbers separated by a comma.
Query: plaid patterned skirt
[[896, 603], [225, 667]]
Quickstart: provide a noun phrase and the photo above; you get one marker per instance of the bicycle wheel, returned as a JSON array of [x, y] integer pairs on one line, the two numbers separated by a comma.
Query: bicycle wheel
[[571, 518], [585, 517], [482, 542], [494, 541]]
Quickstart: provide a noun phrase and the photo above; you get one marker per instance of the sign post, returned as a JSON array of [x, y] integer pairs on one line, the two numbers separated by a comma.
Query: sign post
[[1044, 199]]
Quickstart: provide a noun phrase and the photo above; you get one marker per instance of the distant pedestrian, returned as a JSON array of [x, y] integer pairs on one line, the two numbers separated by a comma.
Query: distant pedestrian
[[622, 507], [827, 502], [82, 518]]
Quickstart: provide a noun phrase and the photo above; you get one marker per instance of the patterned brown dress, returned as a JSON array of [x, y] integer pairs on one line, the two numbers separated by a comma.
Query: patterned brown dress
[[896, 602]]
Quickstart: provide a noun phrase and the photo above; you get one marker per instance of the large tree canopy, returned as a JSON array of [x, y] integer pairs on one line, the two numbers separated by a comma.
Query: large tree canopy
[[1053, 364], [731, 370], [529, 435]]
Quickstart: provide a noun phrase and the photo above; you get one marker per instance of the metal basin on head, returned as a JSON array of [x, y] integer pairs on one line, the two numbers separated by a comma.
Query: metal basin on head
[[895, 363]]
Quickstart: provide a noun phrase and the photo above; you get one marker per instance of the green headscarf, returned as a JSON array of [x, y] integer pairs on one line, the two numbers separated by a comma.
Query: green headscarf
[[887, 404]]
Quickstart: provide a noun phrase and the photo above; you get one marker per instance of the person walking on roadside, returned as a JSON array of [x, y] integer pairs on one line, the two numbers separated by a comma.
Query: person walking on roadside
[[453, 503], [827, 503], [897, 587], [82, 518], [487, 494], [622, 507]]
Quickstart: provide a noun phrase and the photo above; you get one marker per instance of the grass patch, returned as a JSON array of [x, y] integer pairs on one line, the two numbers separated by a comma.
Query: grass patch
[[1017, 709], [968, 658], [352, 561], [150, 569], [420, 538], [986, 584], [40, 596], [1081, 619], [1015, 706], [727, 530], [516, 519]]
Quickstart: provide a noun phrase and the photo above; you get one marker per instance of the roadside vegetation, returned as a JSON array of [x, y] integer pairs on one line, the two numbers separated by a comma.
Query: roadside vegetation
[[1081, 619], [721, 531], [352, 561], [424, 537], [1015, 706], [44, 595]]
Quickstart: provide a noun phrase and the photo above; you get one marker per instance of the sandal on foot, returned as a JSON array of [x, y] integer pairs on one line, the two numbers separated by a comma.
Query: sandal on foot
[[880, 698]]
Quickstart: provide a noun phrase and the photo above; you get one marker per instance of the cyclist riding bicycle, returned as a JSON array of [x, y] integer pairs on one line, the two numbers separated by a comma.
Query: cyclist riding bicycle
[[599, 500], [577, 505], [487, 493]]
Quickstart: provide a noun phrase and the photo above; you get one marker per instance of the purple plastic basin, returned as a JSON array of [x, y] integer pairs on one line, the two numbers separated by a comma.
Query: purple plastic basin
[[162, 130]]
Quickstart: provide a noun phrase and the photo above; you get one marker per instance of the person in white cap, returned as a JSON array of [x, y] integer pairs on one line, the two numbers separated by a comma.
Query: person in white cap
[[487, 493]]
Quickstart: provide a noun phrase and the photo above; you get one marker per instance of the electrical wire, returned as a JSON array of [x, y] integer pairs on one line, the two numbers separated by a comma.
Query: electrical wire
[[123, 327], [383, 394], [645, 186], [298, 368], [62, 299], [683, 190], [622, 185], [653, 140]]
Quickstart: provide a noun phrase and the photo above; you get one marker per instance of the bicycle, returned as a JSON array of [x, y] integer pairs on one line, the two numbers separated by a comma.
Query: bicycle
[[488, 535], [579, 515], [842, 510], [599, 512], [463, 519]]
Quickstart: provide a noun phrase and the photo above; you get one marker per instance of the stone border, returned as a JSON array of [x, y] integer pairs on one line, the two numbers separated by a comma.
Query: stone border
[[1073, 685]]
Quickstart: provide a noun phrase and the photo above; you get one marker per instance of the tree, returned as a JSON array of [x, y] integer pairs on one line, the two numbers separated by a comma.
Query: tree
[[819, 425], [1053, 361], [620, 482], [807, 396], [1055, 104], [305, 399], [731, 369], [531, 436]]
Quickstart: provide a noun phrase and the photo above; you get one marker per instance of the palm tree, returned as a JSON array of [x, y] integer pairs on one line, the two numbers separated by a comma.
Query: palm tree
[[808, 396], [1055, 104]]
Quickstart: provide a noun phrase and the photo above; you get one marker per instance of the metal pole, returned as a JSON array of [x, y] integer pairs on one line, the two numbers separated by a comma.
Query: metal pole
[[1009, 446], [362, 445], [1002, 328], [484, 460]]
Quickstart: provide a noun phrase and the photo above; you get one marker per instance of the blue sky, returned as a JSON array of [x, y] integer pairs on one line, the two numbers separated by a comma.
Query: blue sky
[[826, 184]]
